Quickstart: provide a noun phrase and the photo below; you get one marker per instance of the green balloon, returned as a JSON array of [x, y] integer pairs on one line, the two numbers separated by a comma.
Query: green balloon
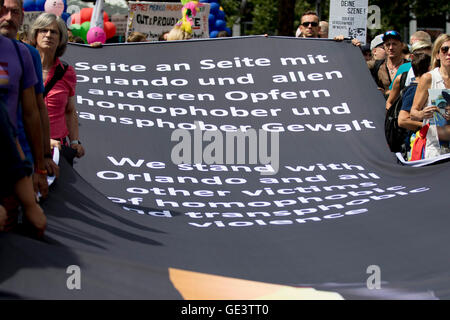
[[84, 28], [75, 28]]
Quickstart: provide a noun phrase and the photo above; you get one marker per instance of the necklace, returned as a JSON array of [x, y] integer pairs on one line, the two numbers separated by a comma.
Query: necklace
[[394, 68]]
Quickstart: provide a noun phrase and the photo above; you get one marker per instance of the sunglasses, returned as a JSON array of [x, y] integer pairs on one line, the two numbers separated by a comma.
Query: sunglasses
[[444, 50], [313, 24], [392, 33]]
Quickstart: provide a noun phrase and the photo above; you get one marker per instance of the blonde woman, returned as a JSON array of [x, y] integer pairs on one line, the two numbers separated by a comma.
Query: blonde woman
[[437, 78]]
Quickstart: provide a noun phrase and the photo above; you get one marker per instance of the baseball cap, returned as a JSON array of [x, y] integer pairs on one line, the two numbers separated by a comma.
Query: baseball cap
[[391, 35], [376, 41]]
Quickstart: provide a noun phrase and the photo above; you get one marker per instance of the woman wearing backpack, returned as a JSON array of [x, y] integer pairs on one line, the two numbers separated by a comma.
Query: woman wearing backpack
[[49, 35]]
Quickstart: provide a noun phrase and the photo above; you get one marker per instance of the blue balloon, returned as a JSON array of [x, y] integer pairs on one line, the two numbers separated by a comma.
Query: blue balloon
[[212, 27], [29, 5], [211, 19], [220, 25], [205, 1], [214, 8], [213, 34], [65, 16], [65, 5], [220, 15], [40, 5]]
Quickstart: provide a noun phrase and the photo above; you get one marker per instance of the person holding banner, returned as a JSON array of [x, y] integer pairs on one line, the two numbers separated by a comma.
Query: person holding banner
[[31, 121], [49, 36], [16, 184], [309, 26]]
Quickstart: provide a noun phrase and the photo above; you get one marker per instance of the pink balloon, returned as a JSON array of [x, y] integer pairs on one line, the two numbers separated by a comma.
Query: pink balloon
[[54, 6], [96, 34]]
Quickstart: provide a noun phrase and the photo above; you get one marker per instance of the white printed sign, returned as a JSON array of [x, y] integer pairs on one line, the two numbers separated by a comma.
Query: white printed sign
[[348, 18], [155, 18]]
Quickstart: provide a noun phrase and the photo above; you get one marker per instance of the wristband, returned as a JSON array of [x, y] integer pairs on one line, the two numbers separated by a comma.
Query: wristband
[[43, 172], [75, 142]]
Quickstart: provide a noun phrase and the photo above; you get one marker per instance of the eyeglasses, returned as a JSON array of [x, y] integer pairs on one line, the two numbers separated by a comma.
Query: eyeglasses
[[444, 50], [52, 32], [313, 24]]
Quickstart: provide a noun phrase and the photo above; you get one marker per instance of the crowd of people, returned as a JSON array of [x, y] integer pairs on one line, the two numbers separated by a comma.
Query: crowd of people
[[404, 73], [38, 109]]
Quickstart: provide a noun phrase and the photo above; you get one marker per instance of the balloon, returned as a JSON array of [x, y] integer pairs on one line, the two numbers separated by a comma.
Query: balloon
[[220, 25], [76, 29], [211, 18], [205, 1], [96, 34], [40, 5], [84, 28], [213, 34], [105, 16], [29, 5], [54, 6], [110, 29], [214, 8], [86, 14], [220, 15], [65, 16], [75, 18]]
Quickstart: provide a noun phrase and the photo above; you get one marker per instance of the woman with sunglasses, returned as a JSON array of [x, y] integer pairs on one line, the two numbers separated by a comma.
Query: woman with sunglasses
[[437, 78]]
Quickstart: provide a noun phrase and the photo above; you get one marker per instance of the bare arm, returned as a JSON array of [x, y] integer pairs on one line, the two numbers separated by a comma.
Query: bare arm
[[23, 189], [444, 133], [395, 92], [404, 121], [33, 129], [419, 110], [72, 125], [34, 213], [3, 217], [50, 166]]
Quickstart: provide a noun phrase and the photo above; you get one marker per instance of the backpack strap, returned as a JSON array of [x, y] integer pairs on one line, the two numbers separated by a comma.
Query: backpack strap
[[375, 70], [403, 80], [59, 73], [377, 66]]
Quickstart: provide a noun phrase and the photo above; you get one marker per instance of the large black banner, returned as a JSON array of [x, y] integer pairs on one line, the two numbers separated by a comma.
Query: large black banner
[[287, 181]]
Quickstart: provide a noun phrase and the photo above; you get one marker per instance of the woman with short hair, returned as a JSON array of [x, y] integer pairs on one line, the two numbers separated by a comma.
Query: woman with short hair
[[49, 36]]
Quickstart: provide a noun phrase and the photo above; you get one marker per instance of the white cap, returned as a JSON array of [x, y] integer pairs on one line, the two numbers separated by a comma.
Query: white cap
[[376, 41]]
